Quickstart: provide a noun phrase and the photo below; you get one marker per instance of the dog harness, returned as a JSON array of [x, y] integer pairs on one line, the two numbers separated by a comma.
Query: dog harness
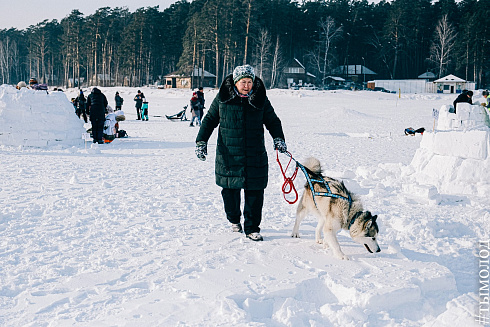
[[324, 183], [318, 179]]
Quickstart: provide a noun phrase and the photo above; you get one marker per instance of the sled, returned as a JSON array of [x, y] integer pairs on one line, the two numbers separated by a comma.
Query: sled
[[178, 116], [411, 131]]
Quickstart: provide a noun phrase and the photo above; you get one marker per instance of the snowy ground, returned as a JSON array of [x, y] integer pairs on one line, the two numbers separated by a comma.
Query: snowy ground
[[133, 233]]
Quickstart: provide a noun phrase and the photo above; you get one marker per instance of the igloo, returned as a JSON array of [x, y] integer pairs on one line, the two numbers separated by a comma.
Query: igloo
[[38, 119]]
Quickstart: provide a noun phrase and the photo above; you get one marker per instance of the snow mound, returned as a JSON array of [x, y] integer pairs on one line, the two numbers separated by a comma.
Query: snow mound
[[455, 159], [37, 119]]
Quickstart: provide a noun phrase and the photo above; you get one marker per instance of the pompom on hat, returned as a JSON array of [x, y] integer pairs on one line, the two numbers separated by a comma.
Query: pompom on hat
[[242, 72]]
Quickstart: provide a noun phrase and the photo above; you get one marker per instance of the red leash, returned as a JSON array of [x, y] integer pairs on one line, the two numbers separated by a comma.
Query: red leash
[[288, 185]]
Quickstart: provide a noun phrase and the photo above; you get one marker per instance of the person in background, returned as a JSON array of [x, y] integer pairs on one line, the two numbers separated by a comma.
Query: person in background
[[195, 110], [96, 105], [464, 97], [486, 104], [80, 106], [139, 102], [241, 109], [200, 96], [119, 101], [144, 110]]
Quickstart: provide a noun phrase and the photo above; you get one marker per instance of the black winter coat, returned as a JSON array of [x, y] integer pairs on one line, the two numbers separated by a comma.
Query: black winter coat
[[463, 97], [241, 158], [96, 104], [139, 100], [80, 102], [119, 100]]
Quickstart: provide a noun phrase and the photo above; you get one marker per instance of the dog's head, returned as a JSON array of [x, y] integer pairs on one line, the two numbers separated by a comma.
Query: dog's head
[[364, 230]]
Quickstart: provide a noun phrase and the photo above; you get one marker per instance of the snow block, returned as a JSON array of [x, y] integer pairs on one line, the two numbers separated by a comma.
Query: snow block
[[455, 162], [467, 116], [467, 144]]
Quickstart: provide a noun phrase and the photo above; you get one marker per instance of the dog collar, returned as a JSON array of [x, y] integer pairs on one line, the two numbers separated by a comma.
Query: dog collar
[[354, 219]]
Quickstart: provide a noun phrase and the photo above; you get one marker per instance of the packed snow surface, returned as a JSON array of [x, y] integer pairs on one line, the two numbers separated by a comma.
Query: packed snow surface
[[133, 233]]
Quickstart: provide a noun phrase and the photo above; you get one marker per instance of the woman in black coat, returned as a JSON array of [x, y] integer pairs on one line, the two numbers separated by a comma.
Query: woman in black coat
[[241, 110]]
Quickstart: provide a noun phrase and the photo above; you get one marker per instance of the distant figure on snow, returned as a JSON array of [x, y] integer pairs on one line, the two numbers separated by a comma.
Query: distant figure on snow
[[464, 97], [139, 102], [195, 110], [144, 110], [96, 105], [80, 106], [486, 104], [200, 97], [119, 101]]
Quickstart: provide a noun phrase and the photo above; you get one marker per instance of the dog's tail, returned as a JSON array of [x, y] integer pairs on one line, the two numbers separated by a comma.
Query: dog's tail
[[313, 164]]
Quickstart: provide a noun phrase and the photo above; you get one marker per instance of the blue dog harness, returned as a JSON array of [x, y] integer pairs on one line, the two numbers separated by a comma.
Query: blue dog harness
[[289, 186], [324, 183]]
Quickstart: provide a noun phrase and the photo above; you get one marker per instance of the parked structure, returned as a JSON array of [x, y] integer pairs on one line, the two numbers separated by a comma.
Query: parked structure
[[452, 84], [448, 84], [183, 81], [356, 73], [295, 74]]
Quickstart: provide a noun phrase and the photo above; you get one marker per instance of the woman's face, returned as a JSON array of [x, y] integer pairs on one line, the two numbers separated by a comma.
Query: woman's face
[[244, 86]]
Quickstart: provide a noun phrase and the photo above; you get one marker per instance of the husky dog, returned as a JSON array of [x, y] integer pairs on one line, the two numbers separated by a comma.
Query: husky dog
[[335, 213]]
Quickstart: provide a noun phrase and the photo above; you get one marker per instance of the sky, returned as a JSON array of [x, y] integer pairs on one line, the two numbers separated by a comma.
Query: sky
[[22, 14]]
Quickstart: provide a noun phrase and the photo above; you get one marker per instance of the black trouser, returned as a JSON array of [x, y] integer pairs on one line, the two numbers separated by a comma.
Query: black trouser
[[82, 112], [252, 211], [138, 113], [97, 130]]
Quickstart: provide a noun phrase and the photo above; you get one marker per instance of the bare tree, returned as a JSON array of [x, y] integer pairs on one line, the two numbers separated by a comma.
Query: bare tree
[[320, 57], [249, 12], [443, 45], [5, 53], [263, 52], [277, 62]]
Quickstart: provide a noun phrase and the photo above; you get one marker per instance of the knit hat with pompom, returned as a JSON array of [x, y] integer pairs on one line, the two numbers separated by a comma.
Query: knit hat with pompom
[[242, 72]]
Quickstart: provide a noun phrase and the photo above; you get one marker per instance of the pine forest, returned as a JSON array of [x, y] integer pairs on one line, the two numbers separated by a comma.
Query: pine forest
[[399, 39]]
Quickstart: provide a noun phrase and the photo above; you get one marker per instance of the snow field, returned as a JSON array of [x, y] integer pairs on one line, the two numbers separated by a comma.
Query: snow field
[[133, 232]]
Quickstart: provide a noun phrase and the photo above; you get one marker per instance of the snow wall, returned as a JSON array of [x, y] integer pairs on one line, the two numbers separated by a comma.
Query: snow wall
[[37, 119], [455, 158]]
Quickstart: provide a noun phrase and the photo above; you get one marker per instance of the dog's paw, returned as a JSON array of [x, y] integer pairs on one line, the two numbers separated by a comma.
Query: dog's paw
[[341, 256], [295, 235], [320, 241]]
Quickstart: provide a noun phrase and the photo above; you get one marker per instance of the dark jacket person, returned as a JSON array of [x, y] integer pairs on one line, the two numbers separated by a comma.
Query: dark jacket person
[[96, 105], [241, 109], [138, 104], [119, 101], [463, 97]]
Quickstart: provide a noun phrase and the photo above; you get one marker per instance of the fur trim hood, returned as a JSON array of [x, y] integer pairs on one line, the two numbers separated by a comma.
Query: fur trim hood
[[256, 99]]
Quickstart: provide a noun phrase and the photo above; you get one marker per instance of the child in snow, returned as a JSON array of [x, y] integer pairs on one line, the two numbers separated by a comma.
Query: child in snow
[[144, 111], [195, 110], [110, 126]]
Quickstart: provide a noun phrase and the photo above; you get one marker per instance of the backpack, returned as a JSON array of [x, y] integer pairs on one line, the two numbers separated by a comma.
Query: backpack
[[122, 133]]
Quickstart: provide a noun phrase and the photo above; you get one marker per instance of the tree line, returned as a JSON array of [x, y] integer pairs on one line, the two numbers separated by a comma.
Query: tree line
[[397, 39]]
